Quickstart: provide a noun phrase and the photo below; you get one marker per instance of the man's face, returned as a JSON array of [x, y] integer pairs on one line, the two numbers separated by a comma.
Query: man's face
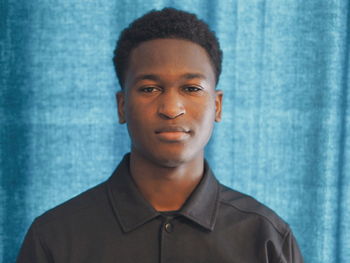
[[169, 101]]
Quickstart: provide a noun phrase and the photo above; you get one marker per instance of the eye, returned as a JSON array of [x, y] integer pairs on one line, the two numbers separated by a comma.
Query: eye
[[192, 89], [149, 89]]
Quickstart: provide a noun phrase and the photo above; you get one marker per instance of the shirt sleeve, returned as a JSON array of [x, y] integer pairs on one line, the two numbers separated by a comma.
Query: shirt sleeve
[[290, 252], [32, 249]]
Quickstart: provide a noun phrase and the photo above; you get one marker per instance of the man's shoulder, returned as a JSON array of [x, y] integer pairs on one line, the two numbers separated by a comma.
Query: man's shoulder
[[250, 207], [84, 203]]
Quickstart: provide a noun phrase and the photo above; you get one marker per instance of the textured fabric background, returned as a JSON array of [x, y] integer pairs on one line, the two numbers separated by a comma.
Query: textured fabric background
[[284, 137]]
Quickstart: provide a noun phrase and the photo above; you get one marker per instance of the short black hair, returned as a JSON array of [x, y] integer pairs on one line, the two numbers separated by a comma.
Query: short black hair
[[166, 23]]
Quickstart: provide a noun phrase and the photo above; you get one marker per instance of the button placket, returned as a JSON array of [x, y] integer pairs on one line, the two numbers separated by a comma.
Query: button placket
[[168, 227], [167, 240]]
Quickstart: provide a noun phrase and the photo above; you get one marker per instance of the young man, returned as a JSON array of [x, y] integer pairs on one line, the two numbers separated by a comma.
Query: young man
[[163, 203]]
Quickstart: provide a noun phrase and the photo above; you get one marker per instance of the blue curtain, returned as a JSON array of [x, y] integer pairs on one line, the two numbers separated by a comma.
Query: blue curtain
[[284, 137]]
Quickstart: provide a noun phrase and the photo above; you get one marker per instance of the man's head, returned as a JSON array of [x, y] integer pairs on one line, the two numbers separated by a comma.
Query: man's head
[[168, 100], [166, 23]]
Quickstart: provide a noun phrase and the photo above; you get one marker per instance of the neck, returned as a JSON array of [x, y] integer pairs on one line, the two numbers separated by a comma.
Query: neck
[[166, 188]]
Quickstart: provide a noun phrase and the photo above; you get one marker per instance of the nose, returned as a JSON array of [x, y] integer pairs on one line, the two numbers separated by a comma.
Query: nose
[[171, 105]]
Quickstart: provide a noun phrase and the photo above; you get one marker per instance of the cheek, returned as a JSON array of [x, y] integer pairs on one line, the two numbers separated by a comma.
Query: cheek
[[138, 120], [136, 106], [205, 112], [133, 117], [133, 110]]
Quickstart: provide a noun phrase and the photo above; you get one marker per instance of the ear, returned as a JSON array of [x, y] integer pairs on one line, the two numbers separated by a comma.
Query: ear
[[218, 105], [120, 97]]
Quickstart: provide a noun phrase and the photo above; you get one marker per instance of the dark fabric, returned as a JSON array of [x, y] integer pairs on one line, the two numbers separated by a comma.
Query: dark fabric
[[285, 133], [112, 222]]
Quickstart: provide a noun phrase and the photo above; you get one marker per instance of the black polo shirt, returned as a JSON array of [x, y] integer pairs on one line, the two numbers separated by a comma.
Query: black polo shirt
[[112, 222]]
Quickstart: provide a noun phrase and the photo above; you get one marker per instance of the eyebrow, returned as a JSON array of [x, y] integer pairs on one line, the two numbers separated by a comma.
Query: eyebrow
[[187, 76], [147, 77], [194, 76]]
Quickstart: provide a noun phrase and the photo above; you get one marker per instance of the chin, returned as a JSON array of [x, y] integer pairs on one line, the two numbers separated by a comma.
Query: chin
[[169, 155], [170, 159]]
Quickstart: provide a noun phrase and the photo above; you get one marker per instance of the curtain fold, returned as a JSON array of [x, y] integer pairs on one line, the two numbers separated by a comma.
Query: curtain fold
[[284, 137]]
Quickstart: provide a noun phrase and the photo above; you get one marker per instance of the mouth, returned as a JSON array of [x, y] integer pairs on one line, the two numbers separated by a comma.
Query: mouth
[[173, 133]]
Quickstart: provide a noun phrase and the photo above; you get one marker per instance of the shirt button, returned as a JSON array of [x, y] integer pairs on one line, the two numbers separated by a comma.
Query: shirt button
[[169, 227]]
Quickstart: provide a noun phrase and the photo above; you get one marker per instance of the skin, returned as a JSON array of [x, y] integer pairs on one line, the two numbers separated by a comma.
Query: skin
[[170, 104]]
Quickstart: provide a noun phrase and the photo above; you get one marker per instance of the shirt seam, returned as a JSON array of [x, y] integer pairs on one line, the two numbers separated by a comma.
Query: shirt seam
[[260, 215], [283, 242], [43, 246]]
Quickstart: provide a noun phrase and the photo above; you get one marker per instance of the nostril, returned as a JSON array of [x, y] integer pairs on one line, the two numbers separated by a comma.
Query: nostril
[[171, 111], [168, 115]]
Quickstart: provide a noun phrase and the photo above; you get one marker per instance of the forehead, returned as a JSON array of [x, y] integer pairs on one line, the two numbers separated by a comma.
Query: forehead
[[169, 57]]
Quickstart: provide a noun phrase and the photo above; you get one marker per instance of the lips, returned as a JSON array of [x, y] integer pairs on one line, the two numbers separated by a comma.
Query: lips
[[172, 133], [172, 129]]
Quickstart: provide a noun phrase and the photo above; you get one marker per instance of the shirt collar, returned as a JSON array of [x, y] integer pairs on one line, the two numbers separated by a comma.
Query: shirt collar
[[132, 210]]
